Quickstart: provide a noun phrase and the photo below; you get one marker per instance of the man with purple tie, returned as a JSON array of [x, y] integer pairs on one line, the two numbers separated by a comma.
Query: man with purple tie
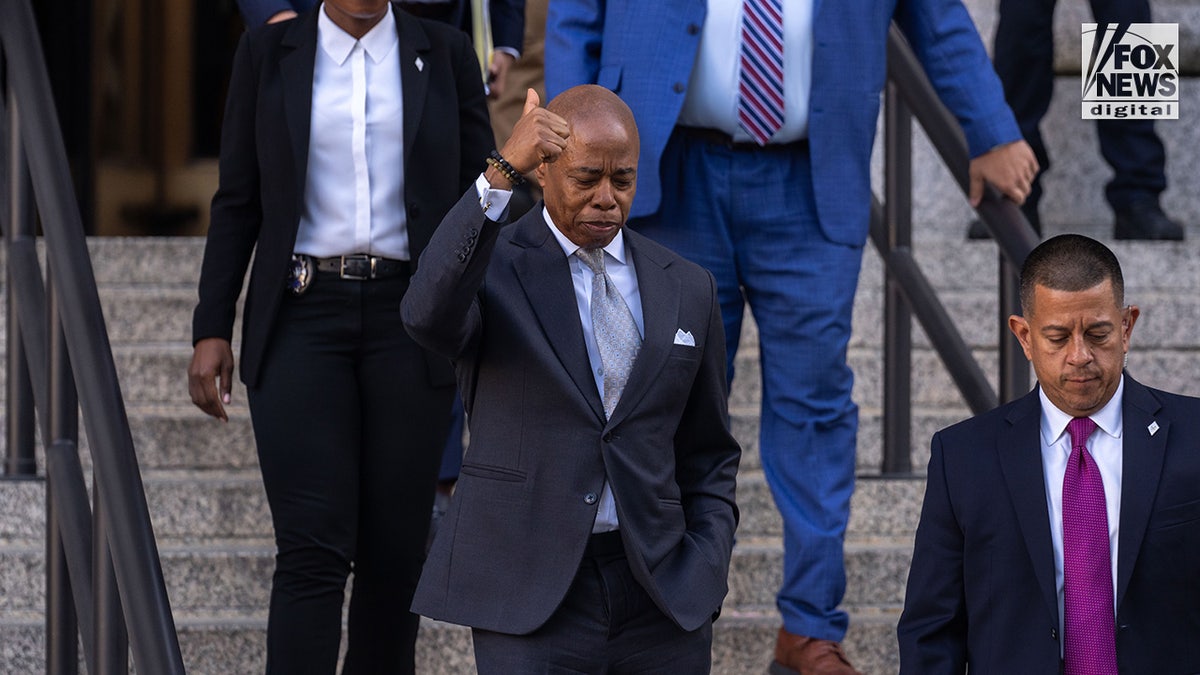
[[1061, 532]]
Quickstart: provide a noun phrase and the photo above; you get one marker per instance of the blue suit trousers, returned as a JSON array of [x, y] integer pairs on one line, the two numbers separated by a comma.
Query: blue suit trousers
[[749, 217]]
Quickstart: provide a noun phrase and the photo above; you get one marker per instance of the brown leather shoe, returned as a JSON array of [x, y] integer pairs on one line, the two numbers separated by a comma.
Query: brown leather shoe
[[800, 655]]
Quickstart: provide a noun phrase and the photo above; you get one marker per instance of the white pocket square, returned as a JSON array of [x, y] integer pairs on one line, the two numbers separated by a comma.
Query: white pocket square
[[684, 337]]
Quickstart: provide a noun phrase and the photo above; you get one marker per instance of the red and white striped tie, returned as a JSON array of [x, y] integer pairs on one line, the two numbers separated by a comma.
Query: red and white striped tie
[[760, 84]]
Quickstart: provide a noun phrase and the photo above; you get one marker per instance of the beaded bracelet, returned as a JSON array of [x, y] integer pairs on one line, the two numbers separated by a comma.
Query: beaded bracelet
[[513, 176]]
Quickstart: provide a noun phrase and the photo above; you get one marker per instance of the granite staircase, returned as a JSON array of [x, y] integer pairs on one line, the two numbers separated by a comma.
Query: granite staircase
[[209, 511]]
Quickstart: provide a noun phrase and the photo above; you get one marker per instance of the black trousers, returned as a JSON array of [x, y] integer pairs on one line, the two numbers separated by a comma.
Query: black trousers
[[349, 435], [1024, 60], [606, 625]]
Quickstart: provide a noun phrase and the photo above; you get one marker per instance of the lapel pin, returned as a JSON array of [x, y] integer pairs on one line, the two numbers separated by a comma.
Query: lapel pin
[[1153, 428], [420, 64]]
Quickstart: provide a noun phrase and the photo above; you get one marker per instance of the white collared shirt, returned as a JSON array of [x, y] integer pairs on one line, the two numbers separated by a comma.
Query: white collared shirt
[[354, 188], [712, 92], [1106, 447], [620, 268]]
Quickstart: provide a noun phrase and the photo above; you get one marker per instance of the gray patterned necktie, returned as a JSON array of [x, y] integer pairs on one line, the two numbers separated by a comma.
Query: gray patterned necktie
[[612, 323]]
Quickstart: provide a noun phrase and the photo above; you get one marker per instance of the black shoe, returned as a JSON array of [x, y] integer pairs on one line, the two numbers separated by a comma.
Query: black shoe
[[1146, 221], [978, 230]]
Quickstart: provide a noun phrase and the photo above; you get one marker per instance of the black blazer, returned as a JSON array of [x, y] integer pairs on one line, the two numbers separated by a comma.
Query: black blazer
[[501, 303], [981, 590], [264, 153]]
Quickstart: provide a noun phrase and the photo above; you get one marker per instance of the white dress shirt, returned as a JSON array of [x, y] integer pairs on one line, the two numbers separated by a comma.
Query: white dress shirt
[[354, 189], [620, 268], [712, 92], [1105, 447]]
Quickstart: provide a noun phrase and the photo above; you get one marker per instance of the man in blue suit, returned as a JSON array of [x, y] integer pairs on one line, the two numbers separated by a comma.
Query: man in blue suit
[[995, 584], [782, 224]]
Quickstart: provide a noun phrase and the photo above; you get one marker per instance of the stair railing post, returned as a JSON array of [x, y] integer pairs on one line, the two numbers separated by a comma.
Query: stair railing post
[[20, 462], [1014, 368], [897, 316], [112, 637], [62, 625]]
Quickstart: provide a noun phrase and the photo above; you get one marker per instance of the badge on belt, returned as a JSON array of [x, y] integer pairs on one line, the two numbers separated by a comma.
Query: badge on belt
[[300, 275]]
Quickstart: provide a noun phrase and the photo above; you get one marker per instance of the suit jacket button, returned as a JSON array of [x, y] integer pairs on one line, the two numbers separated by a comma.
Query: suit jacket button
[[1054, 634], [462, 257], [607, 437], [692, 29], [589, 498], [679, 88], [413, 210]]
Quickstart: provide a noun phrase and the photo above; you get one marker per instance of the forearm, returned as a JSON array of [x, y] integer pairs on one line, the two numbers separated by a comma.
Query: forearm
[[946, 42], [440, 309]]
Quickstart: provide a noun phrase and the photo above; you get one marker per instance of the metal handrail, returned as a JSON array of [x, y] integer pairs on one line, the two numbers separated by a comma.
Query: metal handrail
[[126, 521], [908, 292]]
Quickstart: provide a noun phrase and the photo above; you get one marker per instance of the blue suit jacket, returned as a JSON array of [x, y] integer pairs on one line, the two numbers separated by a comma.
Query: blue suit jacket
[[981, 590], [644, 51]]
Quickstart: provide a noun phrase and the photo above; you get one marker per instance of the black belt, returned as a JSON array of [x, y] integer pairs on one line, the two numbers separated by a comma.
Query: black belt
[[604, 544], [724, 140], [362, 267]]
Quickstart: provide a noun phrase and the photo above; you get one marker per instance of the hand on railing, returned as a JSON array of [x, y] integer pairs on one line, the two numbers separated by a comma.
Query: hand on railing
[[1011, 168], [212, 365]]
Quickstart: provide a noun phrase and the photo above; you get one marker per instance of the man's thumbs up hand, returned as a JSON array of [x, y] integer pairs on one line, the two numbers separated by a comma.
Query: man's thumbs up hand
[[539, 136]]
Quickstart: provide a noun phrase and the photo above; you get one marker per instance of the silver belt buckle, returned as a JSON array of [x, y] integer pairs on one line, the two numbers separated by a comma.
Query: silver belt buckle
[[358, 275]]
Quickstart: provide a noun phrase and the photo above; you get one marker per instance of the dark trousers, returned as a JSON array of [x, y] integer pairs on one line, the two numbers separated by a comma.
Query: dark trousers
[[349, 435], [606, 625], [1024, 60]]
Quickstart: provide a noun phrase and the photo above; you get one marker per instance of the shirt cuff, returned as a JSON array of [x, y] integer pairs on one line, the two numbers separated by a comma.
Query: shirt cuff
[[493, 201], [508, 50]]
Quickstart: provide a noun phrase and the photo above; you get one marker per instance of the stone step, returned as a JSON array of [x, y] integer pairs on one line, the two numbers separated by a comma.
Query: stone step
[[881, 510], [160, 313], [218, 576], [153, 376], [231, 506], [742, 644]]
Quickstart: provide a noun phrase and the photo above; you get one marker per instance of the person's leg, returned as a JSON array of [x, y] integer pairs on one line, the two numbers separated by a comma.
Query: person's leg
[[1131, 147], [642, 640], [572, 641], [305, 413], [801, 291], [607, 623], [404, 422], [1023, 55], [692, 221], [750, 219]]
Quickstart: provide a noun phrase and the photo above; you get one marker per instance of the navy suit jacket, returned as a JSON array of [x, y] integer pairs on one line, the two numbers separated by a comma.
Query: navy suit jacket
[[508, 17], [981, 590], [644, 51], [264, 159], [501, 304]]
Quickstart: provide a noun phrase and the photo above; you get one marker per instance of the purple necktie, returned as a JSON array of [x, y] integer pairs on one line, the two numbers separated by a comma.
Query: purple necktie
[[760, 83], [1089, 646]]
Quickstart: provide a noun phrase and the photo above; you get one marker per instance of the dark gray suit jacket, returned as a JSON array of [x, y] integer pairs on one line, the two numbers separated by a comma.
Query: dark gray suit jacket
[[981, 590], [264, 163], [500, 303]]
